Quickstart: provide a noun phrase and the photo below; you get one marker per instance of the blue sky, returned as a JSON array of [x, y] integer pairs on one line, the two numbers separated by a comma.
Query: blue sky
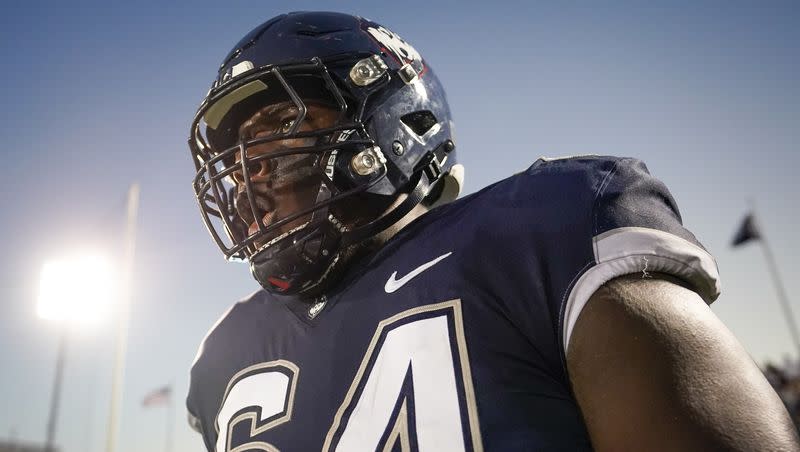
[[96, 96]]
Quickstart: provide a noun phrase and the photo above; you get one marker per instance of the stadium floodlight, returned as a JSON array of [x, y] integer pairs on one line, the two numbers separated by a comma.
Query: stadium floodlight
[[72, 291], [76, 290]]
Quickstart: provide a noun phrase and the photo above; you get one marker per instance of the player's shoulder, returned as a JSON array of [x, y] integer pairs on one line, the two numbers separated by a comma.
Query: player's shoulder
[[564, 199], [224, 329], [588, 171], [578, 162], [581, 172], [218, 342], [554, 186]]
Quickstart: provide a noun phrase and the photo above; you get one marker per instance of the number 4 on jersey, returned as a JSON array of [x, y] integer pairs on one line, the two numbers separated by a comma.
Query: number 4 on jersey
[[413, 387]]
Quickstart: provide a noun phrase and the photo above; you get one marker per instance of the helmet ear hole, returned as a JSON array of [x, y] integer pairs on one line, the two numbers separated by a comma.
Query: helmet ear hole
[[419, 121]]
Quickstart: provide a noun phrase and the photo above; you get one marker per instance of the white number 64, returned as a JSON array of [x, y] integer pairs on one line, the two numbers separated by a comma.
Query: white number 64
[[413, 389]]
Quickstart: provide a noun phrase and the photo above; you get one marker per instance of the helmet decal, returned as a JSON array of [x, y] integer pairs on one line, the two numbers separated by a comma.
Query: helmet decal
[[402, 51]]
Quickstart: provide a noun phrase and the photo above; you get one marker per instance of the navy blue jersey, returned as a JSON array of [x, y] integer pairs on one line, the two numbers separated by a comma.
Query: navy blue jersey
[[454, 335]]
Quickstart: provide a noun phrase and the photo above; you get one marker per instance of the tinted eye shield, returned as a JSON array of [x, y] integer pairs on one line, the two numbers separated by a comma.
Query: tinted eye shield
[[233, 100]]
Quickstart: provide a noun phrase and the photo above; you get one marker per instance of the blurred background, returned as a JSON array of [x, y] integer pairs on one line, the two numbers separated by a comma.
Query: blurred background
[[96, 96]]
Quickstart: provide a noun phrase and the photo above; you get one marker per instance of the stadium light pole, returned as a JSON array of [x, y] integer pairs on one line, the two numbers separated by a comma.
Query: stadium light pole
[[55, 397], [123, 318], [73, 290]]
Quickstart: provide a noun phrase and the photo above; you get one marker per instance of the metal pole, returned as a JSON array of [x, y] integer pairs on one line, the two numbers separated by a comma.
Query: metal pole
[[170, 416], [784, 300], [56, 395], [122, 320]]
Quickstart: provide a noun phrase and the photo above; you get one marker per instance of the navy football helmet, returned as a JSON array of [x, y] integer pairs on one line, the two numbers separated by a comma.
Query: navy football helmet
[[392, 136]]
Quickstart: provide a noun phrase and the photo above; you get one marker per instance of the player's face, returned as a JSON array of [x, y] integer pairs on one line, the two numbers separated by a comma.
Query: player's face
[[283, 185]]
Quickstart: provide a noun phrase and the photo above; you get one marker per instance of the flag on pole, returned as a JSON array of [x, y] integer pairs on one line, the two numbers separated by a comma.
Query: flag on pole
[[157, 397], [747, 231]]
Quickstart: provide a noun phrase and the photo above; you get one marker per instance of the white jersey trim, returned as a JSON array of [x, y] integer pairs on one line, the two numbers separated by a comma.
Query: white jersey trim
[[628, 250]]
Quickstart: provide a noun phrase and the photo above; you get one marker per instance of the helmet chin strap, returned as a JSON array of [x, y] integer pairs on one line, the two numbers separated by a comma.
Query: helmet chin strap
[[416, 196], [286, 271], [427, 173]]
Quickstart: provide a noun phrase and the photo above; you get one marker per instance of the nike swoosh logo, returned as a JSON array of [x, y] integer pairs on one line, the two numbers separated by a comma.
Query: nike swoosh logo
[[393, 284]]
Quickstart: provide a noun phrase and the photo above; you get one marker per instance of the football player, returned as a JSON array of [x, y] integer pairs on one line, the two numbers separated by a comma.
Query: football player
[[563, 308]]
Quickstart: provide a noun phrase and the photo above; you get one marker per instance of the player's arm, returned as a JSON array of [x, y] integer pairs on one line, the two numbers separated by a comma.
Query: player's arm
[[653, 368]]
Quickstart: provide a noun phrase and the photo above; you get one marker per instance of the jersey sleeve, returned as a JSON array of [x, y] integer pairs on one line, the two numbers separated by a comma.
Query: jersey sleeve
[[206, 380], [195, 402], [635, 228]]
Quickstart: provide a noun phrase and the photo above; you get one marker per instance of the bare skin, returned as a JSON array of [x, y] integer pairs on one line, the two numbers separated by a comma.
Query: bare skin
[[279, 196], [653, 369]]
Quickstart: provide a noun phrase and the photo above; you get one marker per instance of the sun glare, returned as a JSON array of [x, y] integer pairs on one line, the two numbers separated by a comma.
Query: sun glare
[[76, 290]]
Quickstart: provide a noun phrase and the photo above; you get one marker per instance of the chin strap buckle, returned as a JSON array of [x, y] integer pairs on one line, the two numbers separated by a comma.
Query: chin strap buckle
[[433, 169], [434, 160]]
